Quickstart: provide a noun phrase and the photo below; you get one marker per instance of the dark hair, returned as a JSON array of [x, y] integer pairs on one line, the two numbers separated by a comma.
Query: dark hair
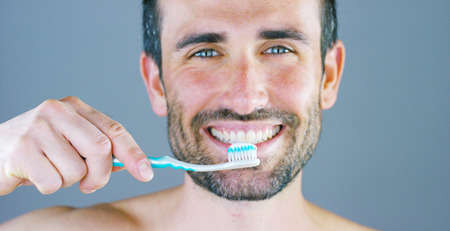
[[328, 21], [152, 28], [151, 23]]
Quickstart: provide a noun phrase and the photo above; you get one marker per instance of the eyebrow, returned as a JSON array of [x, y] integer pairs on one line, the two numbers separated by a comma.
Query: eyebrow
[[284, 34], [200, 38], [216, 37]]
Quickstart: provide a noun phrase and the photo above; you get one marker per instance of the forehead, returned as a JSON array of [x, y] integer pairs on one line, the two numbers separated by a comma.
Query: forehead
[[182, 17]]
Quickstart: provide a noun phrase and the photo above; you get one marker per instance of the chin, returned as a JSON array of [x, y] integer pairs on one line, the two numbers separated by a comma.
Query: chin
[[250, 184]]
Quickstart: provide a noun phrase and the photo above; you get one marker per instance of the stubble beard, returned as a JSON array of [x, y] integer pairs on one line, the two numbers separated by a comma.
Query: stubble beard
[[249, 184]]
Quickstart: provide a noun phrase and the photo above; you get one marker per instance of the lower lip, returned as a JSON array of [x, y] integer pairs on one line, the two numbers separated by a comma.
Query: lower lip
[[261, 146]]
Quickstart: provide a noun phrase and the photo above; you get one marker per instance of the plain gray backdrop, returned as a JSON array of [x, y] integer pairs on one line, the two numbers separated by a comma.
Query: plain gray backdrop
[[383, 157]]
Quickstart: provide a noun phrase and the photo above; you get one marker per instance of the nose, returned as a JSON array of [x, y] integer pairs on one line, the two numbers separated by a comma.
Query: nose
[[247, 91]]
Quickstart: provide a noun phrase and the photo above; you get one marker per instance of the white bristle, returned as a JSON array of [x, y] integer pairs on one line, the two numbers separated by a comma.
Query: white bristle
[[241, 151]]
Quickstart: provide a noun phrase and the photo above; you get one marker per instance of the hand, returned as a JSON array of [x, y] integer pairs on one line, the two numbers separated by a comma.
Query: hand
[[61, 142]]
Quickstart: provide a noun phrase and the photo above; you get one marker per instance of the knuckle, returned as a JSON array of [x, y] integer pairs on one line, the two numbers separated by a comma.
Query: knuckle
[[115, 129], [104, 145], [136, 155], [51, 106], [51, 109], [50, 102], [71, 99], [136, 152], [76, 103]]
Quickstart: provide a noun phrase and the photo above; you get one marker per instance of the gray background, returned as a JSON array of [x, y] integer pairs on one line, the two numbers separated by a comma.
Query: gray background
[[383, 157]]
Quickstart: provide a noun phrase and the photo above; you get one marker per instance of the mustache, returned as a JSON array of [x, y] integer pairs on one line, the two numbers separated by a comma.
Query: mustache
[[288, 118]]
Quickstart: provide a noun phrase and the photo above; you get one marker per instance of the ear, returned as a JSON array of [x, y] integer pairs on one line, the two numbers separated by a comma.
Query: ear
[[150, 75], [334, 67]]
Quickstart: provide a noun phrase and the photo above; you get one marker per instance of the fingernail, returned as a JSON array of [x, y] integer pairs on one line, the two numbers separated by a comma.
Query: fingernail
[[145, 170]]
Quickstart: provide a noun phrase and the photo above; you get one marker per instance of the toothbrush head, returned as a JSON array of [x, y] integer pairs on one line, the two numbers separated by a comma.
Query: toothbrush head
[[240, 155], [241, 151]]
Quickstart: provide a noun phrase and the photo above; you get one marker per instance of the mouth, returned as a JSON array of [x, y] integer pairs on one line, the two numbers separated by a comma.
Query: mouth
[[253, 134]]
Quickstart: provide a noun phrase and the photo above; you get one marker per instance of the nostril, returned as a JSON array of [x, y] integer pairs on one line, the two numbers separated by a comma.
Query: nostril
[[246, 102]]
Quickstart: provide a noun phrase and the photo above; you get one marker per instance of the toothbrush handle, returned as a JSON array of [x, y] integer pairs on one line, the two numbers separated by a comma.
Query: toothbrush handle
[[157, 162], [117, 163], [166, 161]]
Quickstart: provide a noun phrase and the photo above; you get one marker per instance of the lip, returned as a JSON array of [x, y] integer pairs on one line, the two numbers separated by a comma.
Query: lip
[[263, 147]]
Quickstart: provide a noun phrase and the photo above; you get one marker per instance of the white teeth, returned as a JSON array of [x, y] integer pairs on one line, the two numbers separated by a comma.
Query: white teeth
[[226, 135], [270, 135], [240, 136], [214, 132], [264, 135], [250, 137], [232, 137], [259, 137]]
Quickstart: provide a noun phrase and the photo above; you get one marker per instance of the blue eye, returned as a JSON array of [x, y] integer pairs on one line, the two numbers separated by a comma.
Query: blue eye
[[277, 50], [206, 53]]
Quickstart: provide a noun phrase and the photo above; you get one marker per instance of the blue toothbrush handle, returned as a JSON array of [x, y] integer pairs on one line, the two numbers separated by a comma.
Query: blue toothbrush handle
[[160, 162], [244, 160]]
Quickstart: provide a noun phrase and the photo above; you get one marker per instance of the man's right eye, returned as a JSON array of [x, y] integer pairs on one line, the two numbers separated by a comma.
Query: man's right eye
[[206, 53]]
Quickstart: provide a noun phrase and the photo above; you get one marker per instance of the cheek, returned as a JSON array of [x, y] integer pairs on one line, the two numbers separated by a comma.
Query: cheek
[[195, 89], [293, 88]]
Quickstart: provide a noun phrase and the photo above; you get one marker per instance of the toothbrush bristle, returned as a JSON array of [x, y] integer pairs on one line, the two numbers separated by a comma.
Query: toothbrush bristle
[[241, 151]]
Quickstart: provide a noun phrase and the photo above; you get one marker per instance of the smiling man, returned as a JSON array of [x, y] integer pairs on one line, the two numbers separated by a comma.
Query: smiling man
[[223, 72]]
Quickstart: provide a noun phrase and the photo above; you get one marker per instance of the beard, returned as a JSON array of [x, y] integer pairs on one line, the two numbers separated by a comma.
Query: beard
[[251, 184]]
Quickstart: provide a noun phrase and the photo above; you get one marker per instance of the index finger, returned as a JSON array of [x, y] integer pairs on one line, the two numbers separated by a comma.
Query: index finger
[[124, 147]]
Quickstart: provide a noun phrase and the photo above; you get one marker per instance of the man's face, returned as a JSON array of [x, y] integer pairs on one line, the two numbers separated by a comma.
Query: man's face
[[242, 71]]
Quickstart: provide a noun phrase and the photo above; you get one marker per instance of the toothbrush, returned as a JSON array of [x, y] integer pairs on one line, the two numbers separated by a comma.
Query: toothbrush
[[240, 155]]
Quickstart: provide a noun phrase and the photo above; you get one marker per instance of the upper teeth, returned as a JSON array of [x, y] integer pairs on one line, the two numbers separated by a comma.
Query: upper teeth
[[251, 136]]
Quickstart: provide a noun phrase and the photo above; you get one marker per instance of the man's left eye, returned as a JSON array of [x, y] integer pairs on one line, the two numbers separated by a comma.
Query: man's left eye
[[277, 50], [206, 53]]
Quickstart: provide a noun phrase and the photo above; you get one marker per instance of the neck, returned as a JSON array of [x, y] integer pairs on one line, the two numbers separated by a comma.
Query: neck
[[206, 211]]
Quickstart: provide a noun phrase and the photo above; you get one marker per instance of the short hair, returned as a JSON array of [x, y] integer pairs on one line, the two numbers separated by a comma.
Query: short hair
[[152, 29]]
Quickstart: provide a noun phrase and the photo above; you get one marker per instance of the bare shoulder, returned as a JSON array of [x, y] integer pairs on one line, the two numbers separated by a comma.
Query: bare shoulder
[[150, 212], [55, 218], [98, 217], [331, 221], [139, 213]]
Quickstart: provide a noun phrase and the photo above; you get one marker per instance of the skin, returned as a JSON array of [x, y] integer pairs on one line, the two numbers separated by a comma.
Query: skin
[[243, 77]]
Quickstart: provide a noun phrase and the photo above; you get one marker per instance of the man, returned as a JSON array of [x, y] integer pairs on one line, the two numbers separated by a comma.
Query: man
[[249, 67]]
